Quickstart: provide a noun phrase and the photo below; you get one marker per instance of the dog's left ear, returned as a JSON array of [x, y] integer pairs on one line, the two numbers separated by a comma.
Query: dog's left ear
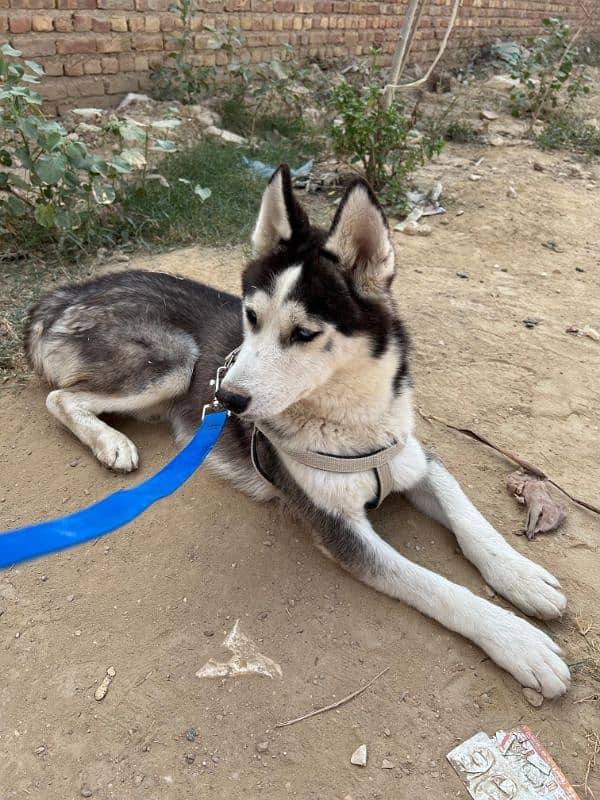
[[281, 217], [360, 239]]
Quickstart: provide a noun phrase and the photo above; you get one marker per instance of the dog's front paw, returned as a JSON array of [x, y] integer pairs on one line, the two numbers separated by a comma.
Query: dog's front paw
[[528, 586], [117, 452], [527, 653]]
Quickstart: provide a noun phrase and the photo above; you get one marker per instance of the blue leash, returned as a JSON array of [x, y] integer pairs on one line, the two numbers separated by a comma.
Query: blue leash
[[115, 510]]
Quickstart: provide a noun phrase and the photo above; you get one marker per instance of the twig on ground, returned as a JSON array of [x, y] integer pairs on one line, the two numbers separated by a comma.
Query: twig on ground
[[594, 740], [333, 705], [512, 456]]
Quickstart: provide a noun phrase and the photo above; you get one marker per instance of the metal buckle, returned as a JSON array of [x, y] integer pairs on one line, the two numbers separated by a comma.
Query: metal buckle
[[214, 407]]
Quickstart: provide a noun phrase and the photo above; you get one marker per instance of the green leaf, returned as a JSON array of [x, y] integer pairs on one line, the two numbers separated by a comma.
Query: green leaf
[[77, 155], [50, 168], [16, 180], [104, 194], [24, 156], [135, 158], [44, 215], [16, 206], [50, 141], [35, 67], [165, 145], [5, 158], [202, 192], [66, 220], [7, 50], [120, 165]]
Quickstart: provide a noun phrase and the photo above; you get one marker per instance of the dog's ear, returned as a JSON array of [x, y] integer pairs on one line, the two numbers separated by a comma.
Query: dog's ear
[[360, 239], [281, 217]]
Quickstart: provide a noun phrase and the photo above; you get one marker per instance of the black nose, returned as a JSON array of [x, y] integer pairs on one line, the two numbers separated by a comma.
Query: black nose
[[237, 403]]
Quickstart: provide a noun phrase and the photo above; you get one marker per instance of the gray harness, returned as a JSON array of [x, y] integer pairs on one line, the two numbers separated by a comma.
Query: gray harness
[[378, 462]]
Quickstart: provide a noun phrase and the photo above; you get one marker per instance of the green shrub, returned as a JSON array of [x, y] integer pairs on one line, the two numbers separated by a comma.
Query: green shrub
[[565, 131], [460, 132], [381, 140], [549, 75], [183, 80]]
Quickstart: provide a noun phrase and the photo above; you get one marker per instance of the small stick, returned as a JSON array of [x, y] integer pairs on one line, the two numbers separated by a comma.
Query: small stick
[[516, 458], [333, 705]]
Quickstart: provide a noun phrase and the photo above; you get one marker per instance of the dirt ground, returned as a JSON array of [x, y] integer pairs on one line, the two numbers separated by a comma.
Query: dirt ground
[[155, 599]]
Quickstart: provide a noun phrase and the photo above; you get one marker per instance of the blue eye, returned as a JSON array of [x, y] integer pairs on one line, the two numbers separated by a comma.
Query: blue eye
[[303, 335], [251, 317]]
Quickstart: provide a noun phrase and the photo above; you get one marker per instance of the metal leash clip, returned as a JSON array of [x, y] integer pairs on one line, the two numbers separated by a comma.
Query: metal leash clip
[[215, 406]]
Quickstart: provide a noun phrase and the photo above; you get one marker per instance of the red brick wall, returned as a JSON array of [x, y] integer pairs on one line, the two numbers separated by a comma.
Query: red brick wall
[[96, 50]]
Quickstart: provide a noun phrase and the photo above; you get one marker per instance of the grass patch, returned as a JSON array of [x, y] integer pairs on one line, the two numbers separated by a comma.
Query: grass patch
[[174, 215], [460, 132], [566, 131]]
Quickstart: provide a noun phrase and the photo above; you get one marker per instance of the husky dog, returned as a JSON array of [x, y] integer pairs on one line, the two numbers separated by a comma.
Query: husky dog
[[321, 376]]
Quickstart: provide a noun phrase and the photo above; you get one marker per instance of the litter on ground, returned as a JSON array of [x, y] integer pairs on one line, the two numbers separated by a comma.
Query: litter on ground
[[512, 765]]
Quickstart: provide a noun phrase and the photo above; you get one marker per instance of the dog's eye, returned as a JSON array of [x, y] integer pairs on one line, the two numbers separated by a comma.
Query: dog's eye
[[251, 317], [303, 335]]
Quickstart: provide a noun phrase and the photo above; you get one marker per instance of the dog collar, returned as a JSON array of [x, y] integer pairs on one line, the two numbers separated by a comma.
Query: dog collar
[[378, 462]]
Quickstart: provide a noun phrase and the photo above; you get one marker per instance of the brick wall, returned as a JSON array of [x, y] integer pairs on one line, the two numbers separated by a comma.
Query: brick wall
[[94, 51]]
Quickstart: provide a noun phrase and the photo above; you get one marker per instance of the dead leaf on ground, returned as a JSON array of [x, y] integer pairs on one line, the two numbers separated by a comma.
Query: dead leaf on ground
[[544, 513]]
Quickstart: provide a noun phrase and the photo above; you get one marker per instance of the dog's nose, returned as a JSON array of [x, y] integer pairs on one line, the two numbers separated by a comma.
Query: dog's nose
[[233, 401]]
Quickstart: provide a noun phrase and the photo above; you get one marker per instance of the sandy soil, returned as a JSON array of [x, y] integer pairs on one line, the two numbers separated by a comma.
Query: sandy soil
[[155, 599]]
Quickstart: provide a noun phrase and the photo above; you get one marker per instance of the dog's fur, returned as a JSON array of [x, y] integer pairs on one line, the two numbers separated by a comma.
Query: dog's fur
[[323, 366]]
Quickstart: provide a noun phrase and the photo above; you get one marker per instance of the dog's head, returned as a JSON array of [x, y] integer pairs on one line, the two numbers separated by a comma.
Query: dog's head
[[316, 303]]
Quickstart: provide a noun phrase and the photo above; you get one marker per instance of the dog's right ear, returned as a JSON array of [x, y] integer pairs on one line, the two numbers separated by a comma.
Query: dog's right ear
[[281, 217]]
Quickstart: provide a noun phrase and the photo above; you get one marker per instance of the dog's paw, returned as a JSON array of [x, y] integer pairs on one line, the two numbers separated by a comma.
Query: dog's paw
[[117, 452], [529, 587], [527, 653]]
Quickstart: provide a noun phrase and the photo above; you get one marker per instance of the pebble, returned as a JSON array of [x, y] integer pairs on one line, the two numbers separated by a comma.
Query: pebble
[[460, 212], [209, 633], [385, 764], [138, 779], [534, 698], [495, 140], [474, 177], [512, 193], [85, 792], [70, 598], [387, 732], [530, 322], [359, 756], [538, 166], [39, 750], [262, 747], [102, 690], [73, 463], [191, 734], [463, 275], [489, 115], [189, 758]]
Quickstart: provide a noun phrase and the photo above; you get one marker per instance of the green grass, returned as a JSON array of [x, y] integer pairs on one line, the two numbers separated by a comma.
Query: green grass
[[566, 131], [174, 215]]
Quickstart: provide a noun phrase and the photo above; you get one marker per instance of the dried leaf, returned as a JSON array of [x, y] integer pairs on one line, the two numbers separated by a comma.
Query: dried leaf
[[544, 513]]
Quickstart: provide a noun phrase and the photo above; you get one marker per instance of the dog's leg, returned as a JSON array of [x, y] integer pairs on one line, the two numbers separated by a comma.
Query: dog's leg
[[513, 643], [78, 411], [530, 587]]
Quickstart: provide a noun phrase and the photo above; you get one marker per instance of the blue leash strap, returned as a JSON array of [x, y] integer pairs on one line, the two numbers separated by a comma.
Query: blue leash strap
[[115, 510]]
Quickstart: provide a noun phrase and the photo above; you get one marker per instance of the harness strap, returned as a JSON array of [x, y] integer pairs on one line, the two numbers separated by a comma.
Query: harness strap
[[379, 462]]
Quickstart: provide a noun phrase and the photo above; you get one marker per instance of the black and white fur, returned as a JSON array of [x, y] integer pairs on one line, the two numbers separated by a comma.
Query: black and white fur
[[323, 366]]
